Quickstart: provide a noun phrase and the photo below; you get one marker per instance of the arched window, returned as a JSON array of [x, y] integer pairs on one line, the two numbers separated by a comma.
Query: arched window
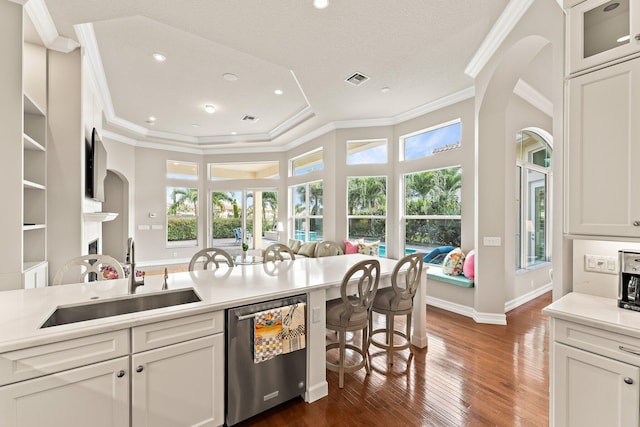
[[533, 197]]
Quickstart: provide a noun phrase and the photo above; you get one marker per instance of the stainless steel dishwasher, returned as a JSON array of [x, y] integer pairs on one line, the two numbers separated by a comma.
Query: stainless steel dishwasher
[[250, 387]]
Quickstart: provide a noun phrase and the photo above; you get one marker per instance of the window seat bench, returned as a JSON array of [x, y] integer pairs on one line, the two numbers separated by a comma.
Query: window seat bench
[[434, 272]]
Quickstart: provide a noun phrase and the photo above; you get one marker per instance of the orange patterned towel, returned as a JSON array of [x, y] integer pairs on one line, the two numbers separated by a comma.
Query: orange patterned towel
[[267, 342]]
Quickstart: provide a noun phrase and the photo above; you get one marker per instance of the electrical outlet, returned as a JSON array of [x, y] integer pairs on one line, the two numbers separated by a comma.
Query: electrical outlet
[[601, 264]]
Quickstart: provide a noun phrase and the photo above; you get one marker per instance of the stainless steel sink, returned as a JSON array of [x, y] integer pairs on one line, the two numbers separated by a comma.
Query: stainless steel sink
[[116, 306]]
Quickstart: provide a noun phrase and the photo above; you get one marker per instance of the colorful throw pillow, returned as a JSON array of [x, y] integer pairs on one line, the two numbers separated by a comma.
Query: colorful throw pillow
[[350, 247], [453, 262], [368, 248], [307, 249], [469, 268]]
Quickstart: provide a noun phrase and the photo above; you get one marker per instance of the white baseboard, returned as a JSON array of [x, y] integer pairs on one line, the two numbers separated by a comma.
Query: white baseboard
[[490, 318], [452, 307], [517, 302], [463, 310], [317, 391]]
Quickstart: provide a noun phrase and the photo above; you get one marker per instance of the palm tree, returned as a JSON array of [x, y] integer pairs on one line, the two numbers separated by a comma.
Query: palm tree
[[217, 199], [185, 200]]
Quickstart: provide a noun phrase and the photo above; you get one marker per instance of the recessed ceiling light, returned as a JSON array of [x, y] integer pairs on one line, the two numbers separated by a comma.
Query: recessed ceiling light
[[278, 92], [230, 77], [385, 89], [209, 108], [151, 120], [320, 4], [159, 57], [624, 39], [234, 133]]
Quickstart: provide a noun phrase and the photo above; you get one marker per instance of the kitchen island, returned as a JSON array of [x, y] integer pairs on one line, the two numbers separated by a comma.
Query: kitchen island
[[129, 337]]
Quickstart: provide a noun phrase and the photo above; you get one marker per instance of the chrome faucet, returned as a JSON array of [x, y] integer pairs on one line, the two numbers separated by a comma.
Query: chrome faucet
[[131, 260]]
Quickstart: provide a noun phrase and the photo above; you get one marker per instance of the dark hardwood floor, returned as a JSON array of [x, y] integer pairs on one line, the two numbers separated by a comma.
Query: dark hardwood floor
[[470, 375]]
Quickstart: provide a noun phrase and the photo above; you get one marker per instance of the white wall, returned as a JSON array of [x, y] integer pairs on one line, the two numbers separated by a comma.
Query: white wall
[[592, 283], [541, 25]]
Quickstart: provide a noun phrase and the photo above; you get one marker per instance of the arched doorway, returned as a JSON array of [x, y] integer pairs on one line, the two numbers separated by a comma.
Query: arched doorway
[[115, 233]]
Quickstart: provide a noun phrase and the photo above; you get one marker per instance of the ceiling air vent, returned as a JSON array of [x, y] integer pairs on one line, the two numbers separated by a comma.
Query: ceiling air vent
[[248, 118], [356, 79]]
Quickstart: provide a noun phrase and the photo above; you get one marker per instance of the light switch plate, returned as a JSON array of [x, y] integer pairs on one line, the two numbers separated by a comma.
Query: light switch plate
[[601, 264], [492, 241]]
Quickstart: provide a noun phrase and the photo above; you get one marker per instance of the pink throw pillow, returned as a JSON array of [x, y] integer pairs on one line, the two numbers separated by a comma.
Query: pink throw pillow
[[350, 247], [468, 268]]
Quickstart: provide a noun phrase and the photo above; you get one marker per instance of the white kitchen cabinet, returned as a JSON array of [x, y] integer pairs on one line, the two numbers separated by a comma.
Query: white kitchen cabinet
[[96, 395], [603, 151], [591, 390], [35, 275], [178, 372], [594, 372], [601, 31], [179, 385], [168, 373]]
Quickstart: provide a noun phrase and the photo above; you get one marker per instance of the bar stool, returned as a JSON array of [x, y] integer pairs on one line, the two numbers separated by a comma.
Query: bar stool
[[394, 301], [278, 252], [89, 267], [350, 312], [208, 256]]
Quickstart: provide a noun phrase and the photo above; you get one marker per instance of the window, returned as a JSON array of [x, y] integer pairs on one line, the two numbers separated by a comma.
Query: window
[[248, 216], [258, 170], [444, 137], [182, 170], [306, 163], [182, 216], [533, 164], [366, 152], [432, 209], [307, 212], [367, 208]]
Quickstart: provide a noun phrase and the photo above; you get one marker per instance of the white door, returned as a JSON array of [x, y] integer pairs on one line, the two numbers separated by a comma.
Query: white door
[[592, 390], [96, 395], [179, 385]]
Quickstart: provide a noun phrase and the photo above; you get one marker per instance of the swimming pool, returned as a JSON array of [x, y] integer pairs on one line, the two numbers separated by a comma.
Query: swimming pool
[[382, 252]]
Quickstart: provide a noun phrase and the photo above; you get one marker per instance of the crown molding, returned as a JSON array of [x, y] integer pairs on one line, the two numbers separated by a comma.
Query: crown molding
[[506, 22], [41, 18], [87, 38], [430, 107], [533, 97]]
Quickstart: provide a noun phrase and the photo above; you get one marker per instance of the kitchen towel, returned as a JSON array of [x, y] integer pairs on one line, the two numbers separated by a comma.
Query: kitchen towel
[[267, 337], [293, 327]]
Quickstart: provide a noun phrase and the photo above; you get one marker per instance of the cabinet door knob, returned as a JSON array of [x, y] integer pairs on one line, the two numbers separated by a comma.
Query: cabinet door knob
[[139, 368], [120, 373], [636, 223], [628, 380], [637, 37]]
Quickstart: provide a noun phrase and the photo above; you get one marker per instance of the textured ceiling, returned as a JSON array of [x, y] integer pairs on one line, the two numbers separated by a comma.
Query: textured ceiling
[[417, 49]]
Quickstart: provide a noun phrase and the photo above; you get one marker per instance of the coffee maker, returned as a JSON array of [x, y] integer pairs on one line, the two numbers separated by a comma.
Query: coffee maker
[[629, 287]]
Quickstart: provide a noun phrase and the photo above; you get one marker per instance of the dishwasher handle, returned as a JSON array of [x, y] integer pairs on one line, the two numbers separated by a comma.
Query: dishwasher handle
[[245, 316]]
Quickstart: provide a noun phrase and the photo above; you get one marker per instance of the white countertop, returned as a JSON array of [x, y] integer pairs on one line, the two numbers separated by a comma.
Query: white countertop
[[598, 312], [22, 312]]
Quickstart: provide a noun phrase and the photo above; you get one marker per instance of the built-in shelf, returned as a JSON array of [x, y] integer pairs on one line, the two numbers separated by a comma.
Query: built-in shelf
[[32, 185], [27, 227], [31, 144], [29, 265], [31, 107], [100, 216]]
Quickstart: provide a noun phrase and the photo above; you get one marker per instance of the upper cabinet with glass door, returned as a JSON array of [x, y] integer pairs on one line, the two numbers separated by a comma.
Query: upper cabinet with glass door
[[601, 31]]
